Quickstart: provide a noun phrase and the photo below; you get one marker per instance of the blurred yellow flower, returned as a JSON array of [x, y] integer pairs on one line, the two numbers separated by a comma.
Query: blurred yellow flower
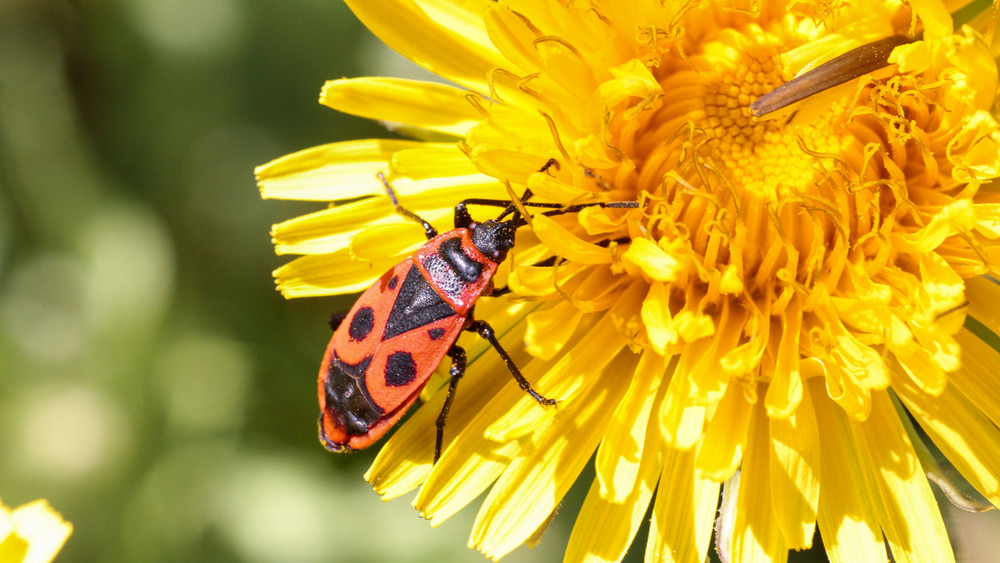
[[32, 533], [798, 283]]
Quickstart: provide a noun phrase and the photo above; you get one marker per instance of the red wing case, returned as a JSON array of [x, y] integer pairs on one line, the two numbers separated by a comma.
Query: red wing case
[[381, 355]]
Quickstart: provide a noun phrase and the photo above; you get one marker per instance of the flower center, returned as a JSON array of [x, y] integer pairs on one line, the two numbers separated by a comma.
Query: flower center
[[761, 156], [745, 193]]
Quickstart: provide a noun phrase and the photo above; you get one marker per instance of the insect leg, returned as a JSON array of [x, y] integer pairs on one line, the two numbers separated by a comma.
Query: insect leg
[[482, 328], [336, 319], [458, 362], [429, 230], [497, 292], [549, 164], [463, 219]]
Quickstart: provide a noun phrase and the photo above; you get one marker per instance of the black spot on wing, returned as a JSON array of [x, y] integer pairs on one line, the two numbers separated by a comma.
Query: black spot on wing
[[417, 305], [361, 323], [393, 282], [435, 333], [400, 369], [347, 398]]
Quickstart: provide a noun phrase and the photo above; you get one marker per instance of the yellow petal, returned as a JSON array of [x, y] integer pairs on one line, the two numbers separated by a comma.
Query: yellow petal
[[32, 533], [549, 188], [331, 229], [618, 456], [610, 517], [598, 290], [435, 161], [603, 530], [784, 394], [514, 37], [725, 435], [856, 371], [954, 217], [534, 484], [683, 512], [940, 280], [681, 421], [975, 72], [795, 473], [975, 379], [934, 15], [980, 134], [631, 80], [405, 460], [656, 319], [745, 358], [578, 367], [756, 534], [493, 151], [551, 328], [495, 156], [731, 282], [396, 239], [967, 438], [921, 366], [598, 221], [568, 245], [328, 274], [653, 260], [846, 517], [330, 172], [538, 281], [984, 301], [876, 22], [437, 107], [445, 37], [693, 325], [988, 219], [905, 507], [701, 369]]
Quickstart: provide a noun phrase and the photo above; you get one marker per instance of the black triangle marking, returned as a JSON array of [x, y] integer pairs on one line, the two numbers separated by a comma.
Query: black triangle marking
[[417, 305]]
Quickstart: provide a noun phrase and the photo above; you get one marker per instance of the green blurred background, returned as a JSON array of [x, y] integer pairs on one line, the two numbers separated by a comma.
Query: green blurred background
[[153, 385]]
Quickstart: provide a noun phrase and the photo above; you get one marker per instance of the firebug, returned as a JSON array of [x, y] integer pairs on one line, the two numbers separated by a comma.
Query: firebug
[[386, 347]]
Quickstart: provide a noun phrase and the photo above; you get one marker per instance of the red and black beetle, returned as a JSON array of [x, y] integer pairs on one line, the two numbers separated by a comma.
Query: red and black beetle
[[386, 347]]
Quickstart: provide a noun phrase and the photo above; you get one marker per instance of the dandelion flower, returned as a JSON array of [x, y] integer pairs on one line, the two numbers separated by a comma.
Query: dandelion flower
[[32, 533], [804, 278]]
